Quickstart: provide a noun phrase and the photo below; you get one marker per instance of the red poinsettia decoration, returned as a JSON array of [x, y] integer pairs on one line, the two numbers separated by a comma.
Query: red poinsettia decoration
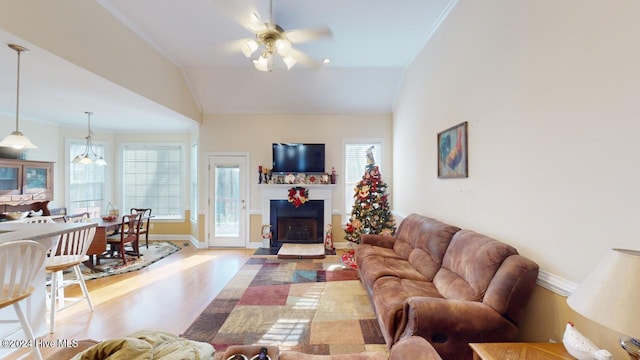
[[298, 196]]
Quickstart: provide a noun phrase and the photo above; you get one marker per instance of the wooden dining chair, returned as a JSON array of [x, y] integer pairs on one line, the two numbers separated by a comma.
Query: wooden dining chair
[[71, 251], [144, 225], [81, 217], [128, 233], [20, 263]]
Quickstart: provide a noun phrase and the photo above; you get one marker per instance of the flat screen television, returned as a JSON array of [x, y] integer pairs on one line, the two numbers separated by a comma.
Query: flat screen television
[[298, 158]]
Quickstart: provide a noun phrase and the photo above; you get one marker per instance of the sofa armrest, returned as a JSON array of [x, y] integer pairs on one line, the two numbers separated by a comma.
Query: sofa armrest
[[414, 348], [385, 241], [453, 323]]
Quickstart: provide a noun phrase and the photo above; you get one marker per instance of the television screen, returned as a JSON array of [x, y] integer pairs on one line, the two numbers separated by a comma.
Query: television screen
[[298, 158]]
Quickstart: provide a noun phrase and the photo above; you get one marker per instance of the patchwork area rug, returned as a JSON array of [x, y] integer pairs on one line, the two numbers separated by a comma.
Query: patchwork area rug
[[156, 251], [315, 306]]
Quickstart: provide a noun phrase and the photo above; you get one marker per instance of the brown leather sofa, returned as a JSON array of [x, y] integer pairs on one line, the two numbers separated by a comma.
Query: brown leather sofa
[[447, 285]]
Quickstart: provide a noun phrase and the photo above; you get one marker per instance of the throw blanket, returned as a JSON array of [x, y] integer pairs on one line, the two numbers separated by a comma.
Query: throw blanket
[[148, 345]]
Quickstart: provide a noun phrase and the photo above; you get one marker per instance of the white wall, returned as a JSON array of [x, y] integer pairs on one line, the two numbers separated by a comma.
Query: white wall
[[550, 90], [87, 35]]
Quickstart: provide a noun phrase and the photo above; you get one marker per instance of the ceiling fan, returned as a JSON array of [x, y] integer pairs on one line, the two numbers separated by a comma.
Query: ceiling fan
[[271, 39]]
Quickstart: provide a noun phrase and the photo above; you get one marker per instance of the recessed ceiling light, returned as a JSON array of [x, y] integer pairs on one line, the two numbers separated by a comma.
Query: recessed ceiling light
[[325, 61]]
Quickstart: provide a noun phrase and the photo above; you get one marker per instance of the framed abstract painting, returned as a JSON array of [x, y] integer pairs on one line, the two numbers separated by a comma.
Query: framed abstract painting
[[452, 152]]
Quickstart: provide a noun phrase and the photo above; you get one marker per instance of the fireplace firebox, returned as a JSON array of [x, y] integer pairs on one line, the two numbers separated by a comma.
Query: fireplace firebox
[[301, 224]]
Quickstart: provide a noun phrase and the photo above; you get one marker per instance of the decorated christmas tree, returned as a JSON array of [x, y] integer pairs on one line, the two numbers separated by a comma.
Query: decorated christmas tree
[[370, 213]]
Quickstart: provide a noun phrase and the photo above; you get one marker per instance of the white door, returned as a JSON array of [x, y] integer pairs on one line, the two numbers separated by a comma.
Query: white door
[[228, 201]]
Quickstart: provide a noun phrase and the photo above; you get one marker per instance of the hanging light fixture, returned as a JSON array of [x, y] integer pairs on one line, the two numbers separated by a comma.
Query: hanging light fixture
[[16, 139], [273, 40], [89, 156]]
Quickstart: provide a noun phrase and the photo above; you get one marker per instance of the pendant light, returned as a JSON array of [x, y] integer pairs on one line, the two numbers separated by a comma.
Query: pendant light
[[16, 139], [89, 156]]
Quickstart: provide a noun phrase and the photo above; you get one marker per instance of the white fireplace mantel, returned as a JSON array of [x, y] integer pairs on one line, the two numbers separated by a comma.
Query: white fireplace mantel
[[322, 192]]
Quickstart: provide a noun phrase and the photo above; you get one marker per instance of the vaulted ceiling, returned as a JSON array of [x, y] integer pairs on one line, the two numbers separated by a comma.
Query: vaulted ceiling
[[371, 44]]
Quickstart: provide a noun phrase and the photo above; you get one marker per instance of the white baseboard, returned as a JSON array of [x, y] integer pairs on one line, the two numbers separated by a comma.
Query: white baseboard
[[556, 284]]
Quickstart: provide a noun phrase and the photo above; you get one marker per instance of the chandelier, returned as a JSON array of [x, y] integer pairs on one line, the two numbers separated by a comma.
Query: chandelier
[[89, 156], [16, 139]]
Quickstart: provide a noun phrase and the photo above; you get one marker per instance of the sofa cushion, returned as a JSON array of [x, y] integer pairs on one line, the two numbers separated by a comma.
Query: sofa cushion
[[389, 296], [430, 245], [469, 265], [406, 234], [511, 287], [363, 251], [371, 268]]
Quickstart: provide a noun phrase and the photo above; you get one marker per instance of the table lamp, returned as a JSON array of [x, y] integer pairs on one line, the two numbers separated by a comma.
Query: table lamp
[[610, 296]]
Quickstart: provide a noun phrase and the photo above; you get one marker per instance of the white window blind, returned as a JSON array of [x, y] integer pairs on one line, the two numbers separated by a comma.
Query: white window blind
[[86, 183], [152, 178], [355, 161]]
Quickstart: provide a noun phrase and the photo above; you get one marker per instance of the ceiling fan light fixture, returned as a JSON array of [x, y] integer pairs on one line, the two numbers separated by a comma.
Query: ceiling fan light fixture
[[289, 61], [283, 46], [262, 63], [249, 47]]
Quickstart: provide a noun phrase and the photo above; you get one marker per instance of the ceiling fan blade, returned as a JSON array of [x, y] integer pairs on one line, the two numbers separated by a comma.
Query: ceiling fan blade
[[306, 35], [304, 59], [242, 14], [255, 24]]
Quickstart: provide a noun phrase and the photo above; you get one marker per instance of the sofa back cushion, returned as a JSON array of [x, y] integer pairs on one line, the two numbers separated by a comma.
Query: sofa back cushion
[[511, 287], [430, 245], [469, 265], [406, 234]]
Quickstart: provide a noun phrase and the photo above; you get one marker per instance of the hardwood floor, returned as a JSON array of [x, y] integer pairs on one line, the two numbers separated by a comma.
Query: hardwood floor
[[166, 296]]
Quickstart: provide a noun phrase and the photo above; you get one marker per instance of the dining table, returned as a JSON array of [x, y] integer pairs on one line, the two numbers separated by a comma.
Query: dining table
[[46, 234], [98, 246]]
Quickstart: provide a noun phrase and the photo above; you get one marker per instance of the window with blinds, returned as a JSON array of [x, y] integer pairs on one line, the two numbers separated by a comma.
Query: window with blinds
[[355, 161], [85, 183], [152, 178]]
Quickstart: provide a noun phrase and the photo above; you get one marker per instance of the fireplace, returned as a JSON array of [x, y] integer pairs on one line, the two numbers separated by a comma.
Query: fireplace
[[312, 218], [301, 224]]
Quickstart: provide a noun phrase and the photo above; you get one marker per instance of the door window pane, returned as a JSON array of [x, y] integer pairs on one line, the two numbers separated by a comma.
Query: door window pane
[[227, 205]]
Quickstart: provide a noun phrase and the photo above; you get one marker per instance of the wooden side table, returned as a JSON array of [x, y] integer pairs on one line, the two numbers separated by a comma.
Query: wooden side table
[[519, 351]]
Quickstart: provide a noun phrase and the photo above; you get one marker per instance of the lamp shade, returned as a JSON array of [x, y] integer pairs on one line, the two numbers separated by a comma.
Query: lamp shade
[[249, 47], [609, 295], [289, 61], [262, 63], [17, 140]]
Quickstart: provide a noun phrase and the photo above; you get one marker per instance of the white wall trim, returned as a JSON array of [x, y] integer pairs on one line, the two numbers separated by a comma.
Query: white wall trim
[[556, 284]]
